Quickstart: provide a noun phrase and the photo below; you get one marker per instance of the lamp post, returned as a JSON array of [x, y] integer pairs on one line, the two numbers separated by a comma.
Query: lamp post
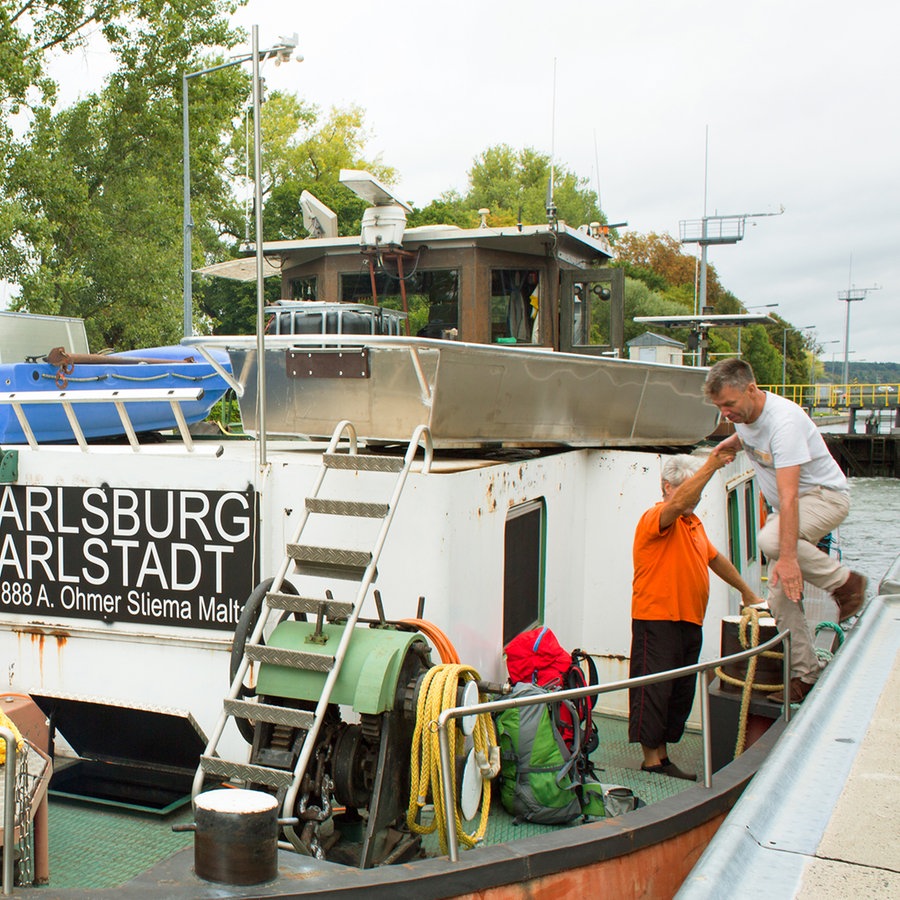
[[282, 52], [760, 306], [820, 347]]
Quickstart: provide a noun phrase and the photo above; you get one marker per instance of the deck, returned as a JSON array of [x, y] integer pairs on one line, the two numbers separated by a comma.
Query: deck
[[97, 848]]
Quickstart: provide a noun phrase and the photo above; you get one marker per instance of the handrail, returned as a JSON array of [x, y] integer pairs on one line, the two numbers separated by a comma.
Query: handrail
[[456, 712], [9, 809], [421, 436], [839, 396]]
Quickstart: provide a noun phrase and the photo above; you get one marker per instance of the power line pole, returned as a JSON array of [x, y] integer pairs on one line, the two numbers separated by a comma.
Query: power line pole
[[851, 296]]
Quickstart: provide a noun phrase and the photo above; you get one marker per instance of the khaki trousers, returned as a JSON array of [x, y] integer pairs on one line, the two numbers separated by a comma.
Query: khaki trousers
[[821, 511]]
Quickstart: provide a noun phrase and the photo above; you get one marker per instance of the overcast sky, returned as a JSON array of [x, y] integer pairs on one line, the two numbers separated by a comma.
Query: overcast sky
[[798, 99]]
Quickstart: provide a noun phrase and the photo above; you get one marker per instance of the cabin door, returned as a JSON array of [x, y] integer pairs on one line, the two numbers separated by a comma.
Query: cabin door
[[592, 312]]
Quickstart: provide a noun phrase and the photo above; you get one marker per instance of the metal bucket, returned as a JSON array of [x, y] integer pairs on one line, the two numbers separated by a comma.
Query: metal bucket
[[236, 836], [768, 670]]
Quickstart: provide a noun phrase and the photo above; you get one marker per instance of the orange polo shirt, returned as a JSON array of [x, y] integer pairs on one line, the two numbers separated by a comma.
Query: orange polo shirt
[[671, 569]]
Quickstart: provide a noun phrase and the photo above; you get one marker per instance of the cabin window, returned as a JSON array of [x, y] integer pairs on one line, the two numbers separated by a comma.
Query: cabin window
[[591, 314], [432, 295], [305, 288], [734, 530], [523, 568], [750, 502], [515, 300]]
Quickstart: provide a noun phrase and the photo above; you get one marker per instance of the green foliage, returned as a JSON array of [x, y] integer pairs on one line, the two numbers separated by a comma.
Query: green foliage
[[758, 350], [90, 220], [513, 185], [862, 372]]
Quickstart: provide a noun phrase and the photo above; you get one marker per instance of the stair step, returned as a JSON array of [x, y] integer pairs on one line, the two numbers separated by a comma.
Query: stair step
[[329, 561], [333, 609], [224, 768], [266, 712], [347, 508], [292, 659], [360, 463]]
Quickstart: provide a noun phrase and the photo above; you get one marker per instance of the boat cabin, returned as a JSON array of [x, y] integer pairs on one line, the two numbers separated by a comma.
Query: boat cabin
[[540, 285]]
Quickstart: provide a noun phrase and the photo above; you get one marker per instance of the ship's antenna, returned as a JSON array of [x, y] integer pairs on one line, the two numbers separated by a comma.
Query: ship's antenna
[[597, 170], [551, 206]]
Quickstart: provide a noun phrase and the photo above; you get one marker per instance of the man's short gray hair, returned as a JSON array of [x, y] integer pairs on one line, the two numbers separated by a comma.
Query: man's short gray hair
[[677, 469], [733, 373]]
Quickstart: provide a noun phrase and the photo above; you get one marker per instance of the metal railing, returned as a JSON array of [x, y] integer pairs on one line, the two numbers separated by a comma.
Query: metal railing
[[9, 809], [839, 396], [783, 637]]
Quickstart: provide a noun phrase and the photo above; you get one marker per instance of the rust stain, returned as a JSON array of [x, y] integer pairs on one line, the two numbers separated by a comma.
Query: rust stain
[[491, 499]]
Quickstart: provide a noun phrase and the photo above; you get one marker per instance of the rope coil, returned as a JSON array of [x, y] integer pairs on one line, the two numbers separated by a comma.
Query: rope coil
[[439, 692], [749, 618]]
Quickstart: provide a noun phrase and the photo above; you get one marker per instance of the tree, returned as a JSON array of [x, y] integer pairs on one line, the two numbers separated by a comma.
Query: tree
[[90, 221], [302, 151], [513, 184]]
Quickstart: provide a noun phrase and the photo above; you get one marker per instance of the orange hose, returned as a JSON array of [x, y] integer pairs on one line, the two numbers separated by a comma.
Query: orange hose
[[439, 640]]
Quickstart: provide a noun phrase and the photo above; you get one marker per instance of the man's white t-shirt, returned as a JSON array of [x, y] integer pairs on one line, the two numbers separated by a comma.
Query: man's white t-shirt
[[784, 435]]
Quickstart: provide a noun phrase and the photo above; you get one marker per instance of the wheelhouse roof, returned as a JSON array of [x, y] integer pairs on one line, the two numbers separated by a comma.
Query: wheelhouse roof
[[573, 246]]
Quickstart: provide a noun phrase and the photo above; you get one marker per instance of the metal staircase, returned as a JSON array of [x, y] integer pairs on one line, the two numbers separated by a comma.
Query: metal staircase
[[312, 562]]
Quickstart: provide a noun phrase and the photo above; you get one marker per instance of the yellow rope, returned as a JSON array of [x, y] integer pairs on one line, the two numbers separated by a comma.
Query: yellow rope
[[749, 616], [7, 722], [439, 692]]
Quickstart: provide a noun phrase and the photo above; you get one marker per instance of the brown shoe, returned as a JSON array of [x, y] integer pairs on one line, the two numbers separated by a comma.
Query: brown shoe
[[850, 596], [798, 692]]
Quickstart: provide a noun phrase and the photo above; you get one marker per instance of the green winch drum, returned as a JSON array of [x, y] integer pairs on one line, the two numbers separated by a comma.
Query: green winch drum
[[369, 674]]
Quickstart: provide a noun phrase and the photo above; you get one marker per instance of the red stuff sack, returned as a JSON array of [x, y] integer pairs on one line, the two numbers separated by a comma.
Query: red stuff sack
[[535, 657]]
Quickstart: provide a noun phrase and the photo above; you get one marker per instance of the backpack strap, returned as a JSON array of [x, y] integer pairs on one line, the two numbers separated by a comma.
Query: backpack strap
[[575, 678], [534, 650]]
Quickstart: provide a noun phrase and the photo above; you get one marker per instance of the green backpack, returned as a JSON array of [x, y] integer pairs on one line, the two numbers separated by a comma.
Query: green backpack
[[541, 780]]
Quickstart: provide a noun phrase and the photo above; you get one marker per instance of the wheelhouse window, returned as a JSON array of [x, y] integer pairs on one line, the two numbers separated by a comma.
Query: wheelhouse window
[[432, 296], [591, 314], [305, 288], [515, 302], [523, 568]]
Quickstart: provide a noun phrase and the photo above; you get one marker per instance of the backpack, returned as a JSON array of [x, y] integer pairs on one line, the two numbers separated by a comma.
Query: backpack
[[536, 657], [542, 780]]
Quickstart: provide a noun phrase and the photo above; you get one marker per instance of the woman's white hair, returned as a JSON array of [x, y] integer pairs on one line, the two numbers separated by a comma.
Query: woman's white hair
[[678, 469]]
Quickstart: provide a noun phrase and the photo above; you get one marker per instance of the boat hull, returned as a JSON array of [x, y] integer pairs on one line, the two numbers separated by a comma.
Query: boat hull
[[472, 394]]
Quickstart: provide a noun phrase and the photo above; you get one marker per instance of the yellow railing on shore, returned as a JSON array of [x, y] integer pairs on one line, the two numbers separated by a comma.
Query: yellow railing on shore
[[839, 396]]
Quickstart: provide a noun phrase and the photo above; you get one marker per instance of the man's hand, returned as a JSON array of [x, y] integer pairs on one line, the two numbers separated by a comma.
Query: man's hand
[[732, 442], [722, 454], [750, 599], [787, 571]]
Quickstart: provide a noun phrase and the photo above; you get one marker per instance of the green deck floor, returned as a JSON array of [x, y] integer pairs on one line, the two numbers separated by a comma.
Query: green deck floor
[[97, 847], [616, 762]]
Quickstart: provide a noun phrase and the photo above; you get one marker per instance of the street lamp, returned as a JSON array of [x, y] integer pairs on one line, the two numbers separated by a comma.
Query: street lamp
[[820, 347], [281, 52]]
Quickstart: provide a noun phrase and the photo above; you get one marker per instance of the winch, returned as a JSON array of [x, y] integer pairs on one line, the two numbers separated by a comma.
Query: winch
[[356, 785]]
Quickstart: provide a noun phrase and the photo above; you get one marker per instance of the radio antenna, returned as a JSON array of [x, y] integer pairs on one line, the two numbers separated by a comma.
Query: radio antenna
[[551, 206]]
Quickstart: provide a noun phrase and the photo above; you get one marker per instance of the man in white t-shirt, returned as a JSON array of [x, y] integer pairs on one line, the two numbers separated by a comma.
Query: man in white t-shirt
[[804, 485]]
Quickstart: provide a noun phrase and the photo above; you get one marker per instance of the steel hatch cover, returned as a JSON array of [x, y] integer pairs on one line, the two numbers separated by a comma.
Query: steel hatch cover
[[107, 730]]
